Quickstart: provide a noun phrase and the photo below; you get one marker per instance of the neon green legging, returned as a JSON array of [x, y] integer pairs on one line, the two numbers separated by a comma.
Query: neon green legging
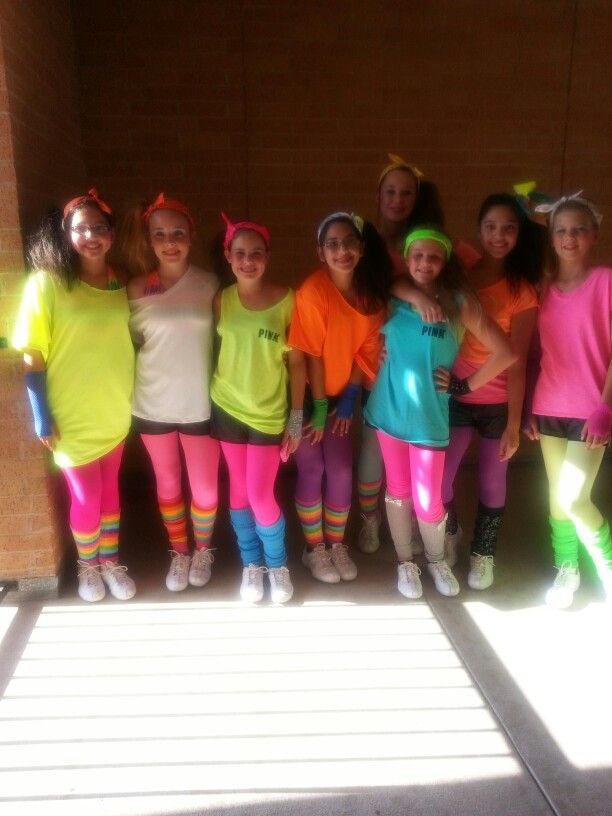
[[571, 468]]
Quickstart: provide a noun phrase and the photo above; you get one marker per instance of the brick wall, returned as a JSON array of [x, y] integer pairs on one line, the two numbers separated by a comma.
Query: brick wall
[[288, 109], [40, 163]]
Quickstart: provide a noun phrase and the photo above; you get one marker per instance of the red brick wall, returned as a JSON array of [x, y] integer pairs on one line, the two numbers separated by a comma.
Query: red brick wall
[[40, 163], [288, 109]]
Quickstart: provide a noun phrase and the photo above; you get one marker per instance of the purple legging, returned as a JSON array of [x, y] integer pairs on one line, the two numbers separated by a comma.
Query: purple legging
[[491, 472], [332, 457]]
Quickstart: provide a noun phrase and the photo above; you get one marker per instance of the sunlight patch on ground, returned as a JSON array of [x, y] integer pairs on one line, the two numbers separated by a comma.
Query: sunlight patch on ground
[[560, 660]]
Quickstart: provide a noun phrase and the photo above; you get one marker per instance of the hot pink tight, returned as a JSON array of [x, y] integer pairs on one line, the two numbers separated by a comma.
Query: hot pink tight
[[252, 473], [94, 490], [414, 472], [201, 459]]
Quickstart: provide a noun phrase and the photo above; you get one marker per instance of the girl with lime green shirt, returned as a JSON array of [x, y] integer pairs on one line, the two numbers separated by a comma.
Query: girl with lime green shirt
[[73, 331]]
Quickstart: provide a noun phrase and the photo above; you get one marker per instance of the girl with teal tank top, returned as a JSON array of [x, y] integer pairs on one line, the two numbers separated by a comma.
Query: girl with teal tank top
[[73, 331], [408, 406], [249, 405]]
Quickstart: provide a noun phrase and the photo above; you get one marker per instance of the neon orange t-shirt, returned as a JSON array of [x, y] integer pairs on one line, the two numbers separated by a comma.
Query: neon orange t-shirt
[[325, 325]]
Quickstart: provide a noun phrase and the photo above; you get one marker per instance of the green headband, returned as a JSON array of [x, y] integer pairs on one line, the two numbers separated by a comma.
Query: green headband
[[431, 235]]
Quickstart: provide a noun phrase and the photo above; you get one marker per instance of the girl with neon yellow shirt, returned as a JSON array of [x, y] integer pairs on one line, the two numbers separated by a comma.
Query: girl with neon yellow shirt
[[73, 330]]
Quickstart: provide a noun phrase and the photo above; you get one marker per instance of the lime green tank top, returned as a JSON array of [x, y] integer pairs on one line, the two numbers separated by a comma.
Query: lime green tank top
[[250, 380]]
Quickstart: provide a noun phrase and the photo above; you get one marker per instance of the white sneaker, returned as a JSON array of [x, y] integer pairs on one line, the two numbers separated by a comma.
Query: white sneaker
[[281, 588], [408, 581], [451, 542], [480, 575], [91, 585], [117, 580], [342, 561], [201, 566], [178, 574], [561, 593], [368, 540], [445, 581], [320, 565], [252, 586]]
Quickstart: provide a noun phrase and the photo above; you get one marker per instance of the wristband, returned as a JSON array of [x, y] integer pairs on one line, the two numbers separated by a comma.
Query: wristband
[[319, 414], [294, 423], [457, 387], [36, 384], [346, 401], [598, 424]]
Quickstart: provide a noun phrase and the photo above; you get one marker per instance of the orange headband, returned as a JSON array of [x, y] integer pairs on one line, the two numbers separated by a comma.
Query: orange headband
[[91, 197], [232, 229], [163, 203]]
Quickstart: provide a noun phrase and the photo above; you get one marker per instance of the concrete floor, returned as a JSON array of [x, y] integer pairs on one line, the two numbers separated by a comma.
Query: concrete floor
[[350, 700]]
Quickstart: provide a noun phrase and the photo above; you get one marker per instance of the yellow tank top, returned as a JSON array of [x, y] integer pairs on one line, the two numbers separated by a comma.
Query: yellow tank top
[[250, 380]]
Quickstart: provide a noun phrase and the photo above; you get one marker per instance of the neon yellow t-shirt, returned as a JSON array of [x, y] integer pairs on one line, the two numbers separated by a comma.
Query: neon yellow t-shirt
[[83, 336], [250, 380]]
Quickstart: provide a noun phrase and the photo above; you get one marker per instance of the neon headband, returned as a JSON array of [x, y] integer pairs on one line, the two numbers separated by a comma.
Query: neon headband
[[397, 163], [574, 198], [92, 198], [163, 203], [356, 221], [428, 234], [232, 229]]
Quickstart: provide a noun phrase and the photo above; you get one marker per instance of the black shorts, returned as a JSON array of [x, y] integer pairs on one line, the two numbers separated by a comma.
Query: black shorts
[[149, 426], [489, 420], [226, 428], [561, 427]]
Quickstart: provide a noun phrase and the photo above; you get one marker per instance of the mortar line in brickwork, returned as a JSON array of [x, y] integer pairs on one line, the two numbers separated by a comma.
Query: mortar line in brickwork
[[568, 92], [245, 116]]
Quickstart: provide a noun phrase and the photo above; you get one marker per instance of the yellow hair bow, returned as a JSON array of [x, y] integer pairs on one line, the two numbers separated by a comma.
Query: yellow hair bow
[[397, 163]]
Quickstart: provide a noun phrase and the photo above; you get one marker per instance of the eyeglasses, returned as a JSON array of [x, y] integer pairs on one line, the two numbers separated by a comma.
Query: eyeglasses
[[94, 229], [334, 244]]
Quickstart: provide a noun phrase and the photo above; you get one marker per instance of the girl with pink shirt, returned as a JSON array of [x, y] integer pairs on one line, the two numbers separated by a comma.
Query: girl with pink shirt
[[572, 403]]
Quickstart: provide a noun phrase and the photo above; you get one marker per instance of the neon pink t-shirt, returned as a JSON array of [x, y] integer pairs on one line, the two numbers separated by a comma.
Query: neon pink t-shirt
[[576, 347]]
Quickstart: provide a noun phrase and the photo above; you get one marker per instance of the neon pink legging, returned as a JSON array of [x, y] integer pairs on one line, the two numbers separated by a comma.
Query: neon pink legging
[[201, 460], [414, 472], [252, 473], [94, 490]]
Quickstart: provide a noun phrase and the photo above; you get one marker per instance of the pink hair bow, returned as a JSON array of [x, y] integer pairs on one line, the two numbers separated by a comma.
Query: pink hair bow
[[232, 229]]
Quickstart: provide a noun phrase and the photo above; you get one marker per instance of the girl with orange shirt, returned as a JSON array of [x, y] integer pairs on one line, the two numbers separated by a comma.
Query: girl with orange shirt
[[336, 322]]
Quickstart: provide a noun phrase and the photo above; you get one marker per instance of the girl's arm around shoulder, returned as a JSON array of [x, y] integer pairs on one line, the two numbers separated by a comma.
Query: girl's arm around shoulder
[[492, 338], [136, 287], [428, 308]]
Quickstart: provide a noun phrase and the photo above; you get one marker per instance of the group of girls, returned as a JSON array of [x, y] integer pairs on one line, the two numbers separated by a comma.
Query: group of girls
[[284, 374]]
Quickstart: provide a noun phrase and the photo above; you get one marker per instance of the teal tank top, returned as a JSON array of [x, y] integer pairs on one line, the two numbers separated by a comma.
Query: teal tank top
[[404, 402]]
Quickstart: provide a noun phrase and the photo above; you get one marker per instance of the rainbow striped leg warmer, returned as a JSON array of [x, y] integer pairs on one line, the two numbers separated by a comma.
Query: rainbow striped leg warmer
[[87, 544], [334, 523], [203, 520], [173, 516], [109, 536], [310, 515]]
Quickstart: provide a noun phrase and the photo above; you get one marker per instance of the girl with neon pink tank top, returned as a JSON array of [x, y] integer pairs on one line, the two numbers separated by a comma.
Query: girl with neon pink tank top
[[503, 280], [172, 327], [572, 403]]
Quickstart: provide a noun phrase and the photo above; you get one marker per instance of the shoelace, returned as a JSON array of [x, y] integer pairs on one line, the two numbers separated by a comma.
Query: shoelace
[[565, 572], [411, 568], [118, 571], [444, 570], [254, 571], [481, 563], [205, 554], [341, 550], [321, 554], [280, 575], [91, 572]]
